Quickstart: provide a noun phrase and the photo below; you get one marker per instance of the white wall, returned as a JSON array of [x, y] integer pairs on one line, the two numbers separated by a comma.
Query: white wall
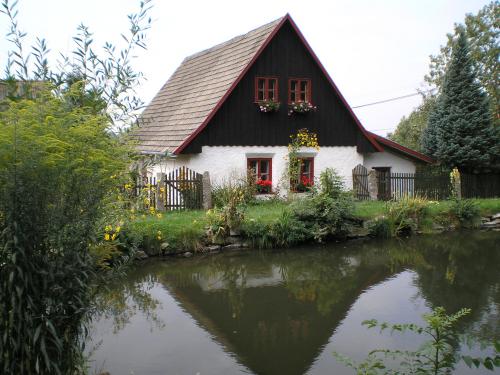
[[398, 164], [224, 162]]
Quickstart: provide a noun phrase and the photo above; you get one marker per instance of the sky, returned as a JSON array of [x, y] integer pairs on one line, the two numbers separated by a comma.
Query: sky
[[372, 49]]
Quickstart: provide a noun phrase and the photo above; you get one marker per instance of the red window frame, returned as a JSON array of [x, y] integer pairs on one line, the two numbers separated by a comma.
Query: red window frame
[[258, 173], [297, 92], [266, 96], [309, 175], [302, 173]]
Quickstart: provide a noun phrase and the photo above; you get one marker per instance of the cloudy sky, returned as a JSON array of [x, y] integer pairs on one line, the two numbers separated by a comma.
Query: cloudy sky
[[373, 49]]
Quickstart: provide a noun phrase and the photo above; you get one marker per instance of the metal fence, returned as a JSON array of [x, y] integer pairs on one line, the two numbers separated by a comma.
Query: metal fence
[[434, 185]]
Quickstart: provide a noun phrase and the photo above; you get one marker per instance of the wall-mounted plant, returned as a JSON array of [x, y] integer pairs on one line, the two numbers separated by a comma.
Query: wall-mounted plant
[[301, 107], [268, 106]]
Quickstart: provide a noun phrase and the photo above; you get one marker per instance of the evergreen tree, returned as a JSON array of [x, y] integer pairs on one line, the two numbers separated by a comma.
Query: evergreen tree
[[460, 132]]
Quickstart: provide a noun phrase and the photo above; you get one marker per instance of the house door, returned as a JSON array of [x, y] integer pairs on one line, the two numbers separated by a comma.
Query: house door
[[384, 183]]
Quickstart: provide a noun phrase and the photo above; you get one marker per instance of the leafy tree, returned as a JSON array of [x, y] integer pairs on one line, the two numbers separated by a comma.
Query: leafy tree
[[460, 131], [61, 167], [105, 77], [409, 130], [483, 34], [56, 165]]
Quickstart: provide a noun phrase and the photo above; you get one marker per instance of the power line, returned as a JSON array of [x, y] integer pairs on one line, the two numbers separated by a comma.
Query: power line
[[393, 99]]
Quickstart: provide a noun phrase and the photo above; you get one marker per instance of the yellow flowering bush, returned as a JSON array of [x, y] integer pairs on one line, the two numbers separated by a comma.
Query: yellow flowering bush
[[303, 138]]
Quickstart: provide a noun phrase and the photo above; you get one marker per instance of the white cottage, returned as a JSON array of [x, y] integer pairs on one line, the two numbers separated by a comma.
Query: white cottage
[[234, 106]]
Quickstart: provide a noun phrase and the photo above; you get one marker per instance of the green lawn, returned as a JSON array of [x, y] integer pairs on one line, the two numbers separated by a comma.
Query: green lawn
[[184, 229]]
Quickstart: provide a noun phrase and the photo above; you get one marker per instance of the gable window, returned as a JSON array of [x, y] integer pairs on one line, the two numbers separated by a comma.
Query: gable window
[[299, 90], [262, 170], [266, 89], [305, 179]]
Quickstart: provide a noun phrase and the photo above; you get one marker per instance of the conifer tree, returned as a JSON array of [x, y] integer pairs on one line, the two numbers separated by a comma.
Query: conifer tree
[[460, 132]]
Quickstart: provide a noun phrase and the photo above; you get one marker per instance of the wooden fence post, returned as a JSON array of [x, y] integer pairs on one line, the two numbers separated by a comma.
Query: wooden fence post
[[160, 196], [373, 184], [207, 191]]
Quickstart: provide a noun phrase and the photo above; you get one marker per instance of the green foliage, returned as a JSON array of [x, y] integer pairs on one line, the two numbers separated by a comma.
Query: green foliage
[[101, 79], [435, 356], [482, 32], [331, 183], [59, 166], [406, 215], [223, 193], [173, 232], [323, 216], [410, 129], [381, 228], [465, 211], [284, 231], [460, 131]]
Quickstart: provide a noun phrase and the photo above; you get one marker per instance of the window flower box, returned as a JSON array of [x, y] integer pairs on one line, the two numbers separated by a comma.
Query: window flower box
[[303, 185], [301, 108], [266, 106], [264, 186]]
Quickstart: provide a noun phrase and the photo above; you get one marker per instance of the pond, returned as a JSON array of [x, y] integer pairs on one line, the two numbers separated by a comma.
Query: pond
[[287, 311]]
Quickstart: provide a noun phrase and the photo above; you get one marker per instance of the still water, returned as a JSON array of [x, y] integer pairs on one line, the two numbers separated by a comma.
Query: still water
[[285, 312]]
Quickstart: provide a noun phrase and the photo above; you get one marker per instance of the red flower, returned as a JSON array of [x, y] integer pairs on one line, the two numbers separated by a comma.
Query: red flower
[[264, 183], [305, 181]]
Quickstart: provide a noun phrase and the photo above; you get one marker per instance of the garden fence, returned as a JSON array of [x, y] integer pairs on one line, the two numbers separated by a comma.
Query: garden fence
[[430, 184], [178, 190]]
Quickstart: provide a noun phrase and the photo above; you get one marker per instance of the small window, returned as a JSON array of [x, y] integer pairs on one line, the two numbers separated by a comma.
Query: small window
[[305, 180], [266, 89], [262, 171], [299, 90]]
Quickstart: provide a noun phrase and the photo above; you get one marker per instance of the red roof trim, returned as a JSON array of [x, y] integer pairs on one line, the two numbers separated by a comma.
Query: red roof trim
[[287, 17], [334, 86], [406, 150]]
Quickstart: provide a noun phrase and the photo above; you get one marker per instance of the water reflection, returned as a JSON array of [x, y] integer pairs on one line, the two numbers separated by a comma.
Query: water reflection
[[280, 312]]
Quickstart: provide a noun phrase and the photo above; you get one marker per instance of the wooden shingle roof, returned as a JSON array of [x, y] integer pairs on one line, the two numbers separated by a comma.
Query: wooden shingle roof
[[195, 89]]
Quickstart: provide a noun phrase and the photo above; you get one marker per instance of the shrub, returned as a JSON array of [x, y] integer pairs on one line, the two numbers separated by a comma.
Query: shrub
[[407, 214], [331, 184], [465, 211], [323, 216], [258, 233], [282, 232], [381, 228], [287, 230], [244, 188]]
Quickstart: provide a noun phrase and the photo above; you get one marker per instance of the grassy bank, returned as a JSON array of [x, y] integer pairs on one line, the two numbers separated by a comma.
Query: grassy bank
[[185, 230]]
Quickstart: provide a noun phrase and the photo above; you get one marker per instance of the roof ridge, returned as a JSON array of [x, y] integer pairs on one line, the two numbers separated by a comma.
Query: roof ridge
[[232, 40]]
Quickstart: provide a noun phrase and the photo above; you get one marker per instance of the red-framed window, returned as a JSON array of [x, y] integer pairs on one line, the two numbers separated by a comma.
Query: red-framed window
[[306, 175], [266, 89], [261, 168], [299, 90]]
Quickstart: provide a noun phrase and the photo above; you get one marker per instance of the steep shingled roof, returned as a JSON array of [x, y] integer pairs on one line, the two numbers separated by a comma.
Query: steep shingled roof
[[195, 89]]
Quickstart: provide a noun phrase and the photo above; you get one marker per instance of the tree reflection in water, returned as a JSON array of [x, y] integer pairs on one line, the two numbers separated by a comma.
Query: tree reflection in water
[[276, 310]]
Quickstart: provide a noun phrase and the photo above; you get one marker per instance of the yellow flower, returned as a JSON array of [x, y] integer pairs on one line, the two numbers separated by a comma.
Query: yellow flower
[[118, 228], [113, 237], [106, 237], [159, 216], [108, 228]]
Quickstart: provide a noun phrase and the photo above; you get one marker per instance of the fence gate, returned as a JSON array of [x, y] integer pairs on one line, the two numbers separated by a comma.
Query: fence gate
[[360, 182], [182, 189]]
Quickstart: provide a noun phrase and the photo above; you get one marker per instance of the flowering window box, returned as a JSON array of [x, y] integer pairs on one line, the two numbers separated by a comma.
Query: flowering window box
[[301, 108], [264, 186], [303, 185], [267, 106]]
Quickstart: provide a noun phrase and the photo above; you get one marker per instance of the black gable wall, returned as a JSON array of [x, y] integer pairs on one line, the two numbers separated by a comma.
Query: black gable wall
[[238, 122]]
